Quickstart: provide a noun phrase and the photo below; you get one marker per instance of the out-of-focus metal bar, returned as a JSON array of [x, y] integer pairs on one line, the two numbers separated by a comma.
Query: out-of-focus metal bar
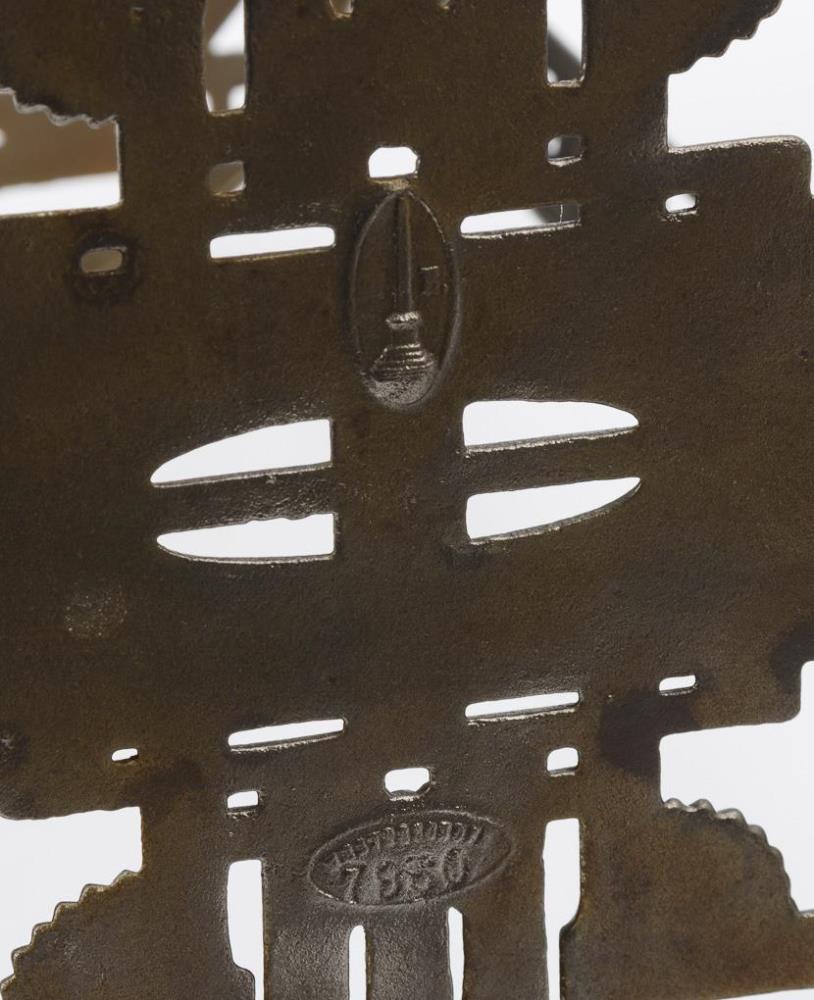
[[34, 149]]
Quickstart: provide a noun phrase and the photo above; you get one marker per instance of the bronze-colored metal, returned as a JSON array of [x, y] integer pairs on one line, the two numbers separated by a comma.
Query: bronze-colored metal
[[34, 148], [698, 323]]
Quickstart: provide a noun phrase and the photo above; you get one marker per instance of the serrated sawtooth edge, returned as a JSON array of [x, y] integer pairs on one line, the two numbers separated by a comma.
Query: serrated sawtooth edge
[[732, 815], [61, 911]]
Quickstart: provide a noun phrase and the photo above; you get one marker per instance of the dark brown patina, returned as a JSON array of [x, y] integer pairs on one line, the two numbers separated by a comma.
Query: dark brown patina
[[699, 324]]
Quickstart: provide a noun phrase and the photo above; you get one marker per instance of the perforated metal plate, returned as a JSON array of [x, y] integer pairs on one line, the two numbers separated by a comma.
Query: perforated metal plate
[[699, 323]]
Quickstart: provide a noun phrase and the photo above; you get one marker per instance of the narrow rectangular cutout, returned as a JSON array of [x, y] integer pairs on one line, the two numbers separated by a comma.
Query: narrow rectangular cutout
[[121, 756], [565, 215], [297, 732], [678, 685], [357, 964], [225, 60], [244, 904], [565, 27], [271, 243], [536, 704], [455, 938], [243, 800], [562, 867]]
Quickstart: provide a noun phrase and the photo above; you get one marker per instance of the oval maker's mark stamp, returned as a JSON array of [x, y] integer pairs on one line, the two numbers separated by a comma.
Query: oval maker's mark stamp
[[404, 301], [410, 857]]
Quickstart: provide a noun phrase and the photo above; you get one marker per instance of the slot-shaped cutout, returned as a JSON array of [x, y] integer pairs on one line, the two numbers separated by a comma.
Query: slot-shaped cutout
[[225, 62], [562, 866], [244, 905], [504, 422], [565, 149], [286, 734], [101, 261], [455, 939], [524, 707], [272, 243], [227, 179], [679, 685], [281, 446], [545, 218], [124, 755], [565, 22], [407, 781], [389, 162], [563, 760], [357, 964], [239, 801], [677, 205], [525, 512], [278, 540]]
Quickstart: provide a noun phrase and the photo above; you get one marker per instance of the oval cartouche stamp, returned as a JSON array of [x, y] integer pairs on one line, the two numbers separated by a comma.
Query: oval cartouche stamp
[[409, 857]]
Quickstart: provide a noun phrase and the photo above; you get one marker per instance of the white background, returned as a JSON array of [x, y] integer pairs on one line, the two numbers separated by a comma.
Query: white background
[[761, 87]]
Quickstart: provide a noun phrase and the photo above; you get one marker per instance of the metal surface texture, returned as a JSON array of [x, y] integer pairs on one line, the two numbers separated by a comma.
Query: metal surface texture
[[698, 323]]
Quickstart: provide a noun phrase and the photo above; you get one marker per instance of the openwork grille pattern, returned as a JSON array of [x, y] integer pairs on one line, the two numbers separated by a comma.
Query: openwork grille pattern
[[407, 309]]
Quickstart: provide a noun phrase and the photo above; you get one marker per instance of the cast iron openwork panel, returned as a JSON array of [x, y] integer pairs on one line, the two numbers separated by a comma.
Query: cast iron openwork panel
[[698, 323]]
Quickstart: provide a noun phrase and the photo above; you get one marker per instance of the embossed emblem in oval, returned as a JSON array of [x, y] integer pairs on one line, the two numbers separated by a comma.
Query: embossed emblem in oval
[[408, 858], [403, 301]]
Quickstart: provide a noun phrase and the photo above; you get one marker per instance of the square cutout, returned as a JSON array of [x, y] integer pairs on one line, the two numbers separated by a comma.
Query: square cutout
[[564, 150], [227, 179]]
